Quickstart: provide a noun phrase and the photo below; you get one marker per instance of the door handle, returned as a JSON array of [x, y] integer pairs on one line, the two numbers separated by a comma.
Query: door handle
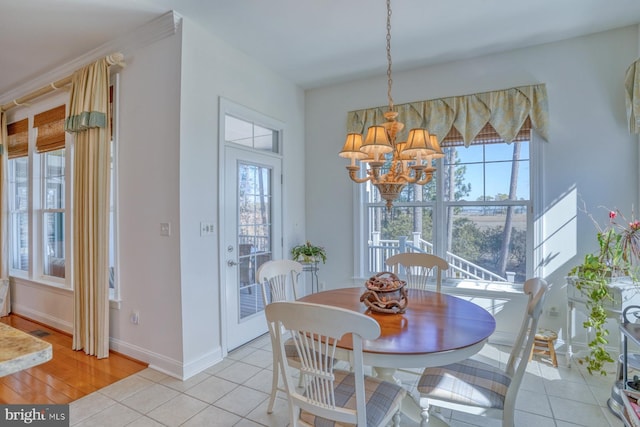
[[231, 263]]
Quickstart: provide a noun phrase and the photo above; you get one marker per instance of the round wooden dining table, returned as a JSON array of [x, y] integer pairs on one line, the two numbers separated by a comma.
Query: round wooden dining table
[[436, 329]]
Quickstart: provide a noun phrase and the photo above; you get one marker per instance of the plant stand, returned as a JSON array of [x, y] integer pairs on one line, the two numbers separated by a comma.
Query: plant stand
[[312, 268], [624, 292]]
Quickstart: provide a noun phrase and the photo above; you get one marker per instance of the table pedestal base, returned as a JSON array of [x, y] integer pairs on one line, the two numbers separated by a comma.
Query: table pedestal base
[[386, 374], [414, 411]]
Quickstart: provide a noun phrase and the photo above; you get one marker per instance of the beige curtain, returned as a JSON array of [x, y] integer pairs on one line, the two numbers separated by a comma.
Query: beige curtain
[[632, 96], [506, 110], [88, 118], [5, 299]]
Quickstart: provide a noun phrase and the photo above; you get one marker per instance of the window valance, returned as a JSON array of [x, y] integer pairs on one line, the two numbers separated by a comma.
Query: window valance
[[506, 110], [632, 96]]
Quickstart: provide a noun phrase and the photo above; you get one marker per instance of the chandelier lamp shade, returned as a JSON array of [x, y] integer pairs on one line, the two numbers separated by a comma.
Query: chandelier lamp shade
[[409, 161]]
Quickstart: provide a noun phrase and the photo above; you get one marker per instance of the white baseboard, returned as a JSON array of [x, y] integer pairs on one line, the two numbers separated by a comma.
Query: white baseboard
[[164, 364], [43, 318]]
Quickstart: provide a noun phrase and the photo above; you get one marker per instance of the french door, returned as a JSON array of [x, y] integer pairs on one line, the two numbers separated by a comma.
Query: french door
[[252, 236]]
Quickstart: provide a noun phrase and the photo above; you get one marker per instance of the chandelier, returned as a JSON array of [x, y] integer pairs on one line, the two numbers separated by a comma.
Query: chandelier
[[410, 161]]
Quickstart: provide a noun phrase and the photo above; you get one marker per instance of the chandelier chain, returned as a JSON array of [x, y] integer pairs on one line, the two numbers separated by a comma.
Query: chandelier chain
[[391, 164], [389, 79]]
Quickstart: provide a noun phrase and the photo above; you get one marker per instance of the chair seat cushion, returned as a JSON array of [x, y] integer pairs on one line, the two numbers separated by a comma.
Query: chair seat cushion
[[469, 382], [382, 397]]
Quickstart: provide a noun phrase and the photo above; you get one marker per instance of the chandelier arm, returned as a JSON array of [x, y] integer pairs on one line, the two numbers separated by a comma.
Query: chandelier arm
[[428, 175], [353, 174]]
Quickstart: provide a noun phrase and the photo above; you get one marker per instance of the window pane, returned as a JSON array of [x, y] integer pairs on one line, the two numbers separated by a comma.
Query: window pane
[[20, 241], [265, 139], [250, 135], [19, 217], [469, 177], [499, 181], [112, 224], [403, 229], [463, 181], [254, 232], [497, 152], [477, 240], [54, 258], [54, 179], [53, 252]]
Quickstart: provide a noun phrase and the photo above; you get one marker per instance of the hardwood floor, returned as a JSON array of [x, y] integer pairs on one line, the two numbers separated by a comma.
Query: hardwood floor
[[70, 375]]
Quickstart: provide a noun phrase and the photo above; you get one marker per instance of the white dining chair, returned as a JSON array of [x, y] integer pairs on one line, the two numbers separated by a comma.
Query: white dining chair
[[342, 396], [279, 280], [418, 268], [479, 388]]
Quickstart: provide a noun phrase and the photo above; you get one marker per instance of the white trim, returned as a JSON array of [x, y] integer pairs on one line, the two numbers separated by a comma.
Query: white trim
[[535, 229], [167, 365], [226, 106]]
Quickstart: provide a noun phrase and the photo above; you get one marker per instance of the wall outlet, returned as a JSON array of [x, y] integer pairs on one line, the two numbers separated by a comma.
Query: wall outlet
[[135, 317]]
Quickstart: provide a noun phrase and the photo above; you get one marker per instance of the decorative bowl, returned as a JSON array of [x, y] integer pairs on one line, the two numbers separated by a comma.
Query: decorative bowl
[[385, 293]]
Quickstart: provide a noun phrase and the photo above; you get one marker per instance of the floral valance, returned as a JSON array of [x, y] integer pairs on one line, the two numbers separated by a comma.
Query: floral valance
[[632, 96], [506, 110]]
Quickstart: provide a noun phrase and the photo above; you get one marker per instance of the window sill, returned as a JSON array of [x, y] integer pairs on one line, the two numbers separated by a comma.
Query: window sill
[[477, 287]]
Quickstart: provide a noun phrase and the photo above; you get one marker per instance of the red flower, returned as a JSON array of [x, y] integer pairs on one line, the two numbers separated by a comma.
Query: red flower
[[612, 214]]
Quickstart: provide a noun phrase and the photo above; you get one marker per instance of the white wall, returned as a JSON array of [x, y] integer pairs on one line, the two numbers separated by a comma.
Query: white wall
[[590, 151], [148, 174], [211, 69], [168, 172]]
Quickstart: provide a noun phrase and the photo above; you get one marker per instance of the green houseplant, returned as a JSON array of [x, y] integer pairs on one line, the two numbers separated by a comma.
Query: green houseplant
[[619, 251], [308, 253]]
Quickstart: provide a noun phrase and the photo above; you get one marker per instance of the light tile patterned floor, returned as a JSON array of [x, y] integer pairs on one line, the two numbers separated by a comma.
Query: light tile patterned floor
[[235, 392]]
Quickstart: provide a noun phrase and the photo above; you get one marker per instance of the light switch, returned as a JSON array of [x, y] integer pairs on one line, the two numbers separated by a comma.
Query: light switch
[[165, 229], [206, 228]]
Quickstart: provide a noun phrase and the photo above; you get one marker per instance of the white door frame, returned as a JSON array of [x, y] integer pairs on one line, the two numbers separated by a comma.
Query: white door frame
[[229, 107]]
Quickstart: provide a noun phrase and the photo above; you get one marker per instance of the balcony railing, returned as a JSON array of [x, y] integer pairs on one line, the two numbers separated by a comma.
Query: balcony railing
[[380, 250]]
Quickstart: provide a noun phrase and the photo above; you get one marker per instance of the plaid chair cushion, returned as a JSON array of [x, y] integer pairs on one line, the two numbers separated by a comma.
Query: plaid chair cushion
[[469, 382], [381, 398]]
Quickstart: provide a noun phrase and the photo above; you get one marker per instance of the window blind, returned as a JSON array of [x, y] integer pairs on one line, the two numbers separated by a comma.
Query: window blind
[[50, 126], [18, 138], [488, 135]]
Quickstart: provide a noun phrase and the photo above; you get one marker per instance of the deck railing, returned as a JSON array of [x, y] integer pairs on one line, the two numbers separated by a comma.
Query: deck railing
[[381, 249]]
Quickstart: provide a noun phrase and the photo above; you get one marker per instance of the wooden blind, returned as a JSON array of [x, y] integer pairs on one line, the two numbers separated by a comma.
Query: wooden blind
[[50, 126], [18, 138], [487, 135]]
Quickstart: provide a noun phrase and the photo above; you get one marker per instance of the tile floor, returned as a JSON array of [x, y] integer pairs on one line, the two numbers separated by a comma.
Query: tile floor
[[235, 392]]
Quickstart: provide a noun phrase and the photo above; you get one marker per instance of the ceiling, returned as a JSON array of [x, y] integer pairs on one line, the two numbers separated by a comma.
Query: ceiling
[[311, 42]]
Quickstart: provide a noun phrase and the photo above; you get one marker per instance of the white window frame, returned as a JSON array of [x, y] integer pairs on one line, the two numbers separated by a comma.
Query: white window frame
[[35, 205], [534, 231], [36, 199]]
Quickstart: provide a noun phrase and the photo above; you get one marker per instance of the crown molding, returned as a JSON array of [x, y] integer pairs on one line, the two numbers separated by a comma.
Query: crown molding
[[161, 27]]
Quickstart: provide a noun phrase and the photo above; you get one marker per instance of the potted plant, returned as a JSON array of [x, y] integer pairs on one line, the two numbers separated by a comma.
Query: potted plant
[[619, 251], [308, 253]]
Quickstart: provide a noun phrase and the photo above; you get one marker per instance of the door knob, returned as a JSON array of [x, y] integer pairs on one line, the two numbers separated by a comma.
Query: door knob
[[231, 263]]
